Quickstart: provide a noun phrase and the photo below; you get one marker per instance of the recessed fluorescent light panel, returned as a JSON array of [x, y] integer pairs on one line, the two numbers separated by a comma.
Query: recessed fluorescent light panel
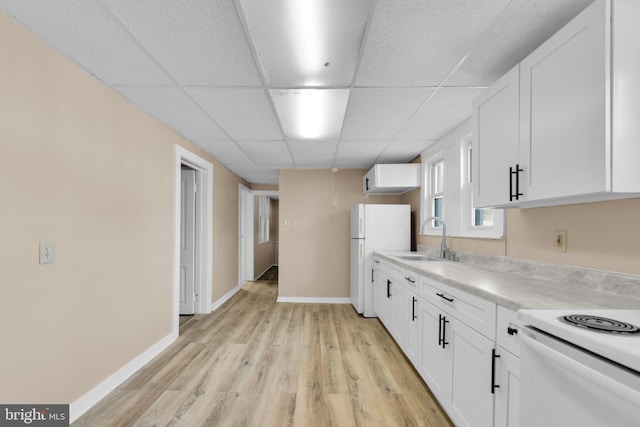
[[307, 43], [311, 113]]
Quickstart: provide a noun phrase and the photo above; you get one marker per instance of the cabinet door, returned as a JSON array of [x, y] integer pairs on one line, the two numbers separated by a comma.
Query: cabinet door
[[433, 357], [507, 395], [380, 294], [398, 313], [564, 138], [495, 147], [471, 399], [412, 344]]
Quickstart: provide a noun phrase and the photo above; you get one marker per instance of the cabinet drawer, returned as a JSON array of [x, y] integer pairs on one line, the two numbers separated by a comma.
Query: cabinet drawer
[[474, 311], [508, 329], [391, 269]]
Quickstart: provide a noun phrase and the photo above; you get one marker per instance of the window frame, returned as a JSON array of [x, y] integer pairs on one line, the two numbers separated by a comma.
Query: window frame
[[457, 206]]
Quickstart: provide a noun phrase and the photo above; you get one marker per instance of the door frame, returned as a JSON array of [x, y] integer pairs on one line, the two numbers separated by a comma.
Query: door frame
[[204, 231], [245, 215]]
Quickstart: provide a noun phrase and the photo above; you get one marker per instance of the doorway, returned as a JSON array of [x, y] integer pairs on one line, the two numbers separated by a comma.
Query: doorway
[[247, 231], [202, 247]]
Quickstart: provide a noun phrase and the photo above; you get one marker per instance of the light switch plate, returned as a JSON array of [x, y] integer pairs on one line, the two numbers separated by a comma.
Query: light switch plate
[[560, 237], [46, 252]]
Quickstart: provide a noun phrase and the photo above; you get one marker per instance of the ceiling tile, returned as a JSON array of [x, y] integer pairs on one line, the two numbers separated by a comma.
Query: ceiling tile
[[200, 42], [244, 113], [403, 151], [226, 152], [85, 32], [444, 111], [313, 153], [522, 27], [257, 174], [267, 152], [417, 42], [172, 107], [380, 113], [358, 154]]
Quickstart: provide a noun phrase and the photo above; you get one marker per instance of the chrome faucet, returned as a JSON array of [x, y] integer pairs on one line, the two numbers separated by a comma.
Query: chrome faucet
[[443, 245]]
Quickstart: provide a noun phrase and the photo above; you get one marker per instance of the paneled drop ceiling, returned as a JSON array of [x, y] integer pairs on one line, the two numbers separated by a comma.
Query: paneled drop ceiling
[[399, 74]]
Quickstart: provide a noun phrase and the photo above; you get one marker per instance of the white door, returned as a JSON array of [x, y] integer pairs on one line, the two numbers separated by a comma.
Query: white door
[[187, 241]]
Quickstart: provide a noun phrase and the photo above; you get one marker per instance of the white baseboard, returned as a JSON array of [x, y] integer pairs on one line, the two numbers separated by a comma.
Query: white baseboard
[[93, 396], [216, 304], [315, 300]]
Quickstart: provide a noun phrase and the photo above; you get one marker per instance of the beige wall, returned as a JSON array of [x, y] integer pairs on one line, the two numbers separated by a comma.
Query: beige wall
[[265, 254], [81, 166], [600, 235], [314, 247]]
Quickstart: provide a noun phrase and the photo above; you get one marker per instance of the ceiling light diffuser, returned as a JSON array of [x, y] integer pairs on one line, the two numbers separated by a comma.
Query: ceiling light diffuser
[[307, 43], [311, 113]]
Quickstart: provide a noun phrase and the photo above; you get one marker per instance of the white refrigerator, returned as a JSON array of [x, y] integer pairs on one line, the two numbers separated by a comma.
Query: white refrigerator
[[374, 228]]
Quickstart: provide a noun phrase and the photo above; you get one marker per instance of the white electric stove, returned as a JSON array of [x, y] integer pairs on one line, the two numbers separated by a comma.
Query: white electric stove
[[612, 334], [580, 368]]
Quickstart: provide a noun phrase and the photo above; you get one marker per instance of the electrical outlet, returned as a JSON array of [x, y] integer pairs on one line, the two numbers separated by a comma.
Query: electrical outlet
[[560, 237], [46, 252]]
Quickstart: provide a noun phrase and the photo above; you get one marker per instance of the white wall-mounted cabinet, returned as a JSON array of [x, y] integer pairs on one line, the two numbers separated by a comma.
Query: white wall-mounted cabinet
[[578, 103], [391, 179]]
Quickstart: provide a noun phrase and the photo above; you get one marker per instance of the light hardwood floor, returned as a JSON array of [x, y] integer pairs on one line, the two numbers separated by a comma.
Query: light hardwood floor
[[255, 362]]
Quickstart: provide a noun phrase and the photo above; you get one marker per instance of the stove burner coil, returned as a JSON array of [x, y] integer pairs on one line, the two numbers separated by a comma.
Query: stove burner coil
[[601, 324]]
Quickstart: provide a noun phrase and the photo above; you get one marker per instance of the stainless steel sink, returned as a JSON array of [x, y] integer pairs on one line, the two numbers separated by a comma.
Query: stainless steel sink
[[418, 258]]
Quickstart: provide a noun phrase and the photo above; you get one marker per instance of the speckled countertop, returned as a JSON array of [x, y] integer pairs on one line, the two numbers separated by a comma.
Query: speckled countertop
[[519, 284]]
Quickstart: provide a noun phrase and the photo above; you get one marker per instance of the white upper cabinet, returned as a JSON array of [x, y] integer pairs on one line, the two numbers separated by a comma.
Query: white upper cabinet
[[578, 103], [495, 146], [391, 179]]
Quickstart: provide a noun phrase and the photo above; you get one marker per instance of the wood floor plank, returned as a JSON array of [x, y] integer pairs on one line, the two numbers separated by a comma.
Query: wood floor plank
[[255, 362]]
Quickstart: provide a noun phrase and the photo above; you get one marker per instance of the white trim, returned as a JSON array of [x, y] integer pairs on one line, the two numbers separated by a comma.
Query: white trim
[[246, 264], [204, 218], [225, 298], [93, 396], [315, 300]]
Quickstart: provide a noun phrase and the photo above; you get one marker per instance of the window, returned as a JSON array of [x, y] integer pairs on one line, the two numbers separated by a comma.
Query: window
[[447, 190], [437, 190], [263, 219], [475, 221]]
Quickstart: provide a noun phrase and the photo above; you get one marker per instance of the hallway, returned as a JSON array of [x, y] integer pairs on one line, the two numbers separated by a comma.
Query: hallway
[[256, 362]]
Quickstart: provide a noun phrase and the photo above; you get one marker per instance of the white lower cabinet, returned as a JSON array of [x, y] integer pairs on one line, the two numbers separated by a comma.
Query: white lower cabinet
[[471, 396], [456, 365], [398, 324], [433, 356], [507, 395], [412, 345], [450, 337]]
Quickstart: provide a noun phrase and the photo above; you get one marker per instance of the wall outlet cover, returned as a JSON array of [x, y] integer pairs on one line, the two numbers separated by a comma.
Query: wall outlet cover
[[46, 252]]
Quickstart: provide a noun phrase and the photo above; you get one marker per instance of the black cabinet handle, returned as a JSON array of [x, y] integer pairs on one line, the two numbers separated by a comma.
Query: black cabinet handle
[[366, 180], [372, 273], [409, 279], [515, 172], [388, 288], [494, 356], [413, 309], [377, 261], [512, 331], [445, 298], [444, 331]]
